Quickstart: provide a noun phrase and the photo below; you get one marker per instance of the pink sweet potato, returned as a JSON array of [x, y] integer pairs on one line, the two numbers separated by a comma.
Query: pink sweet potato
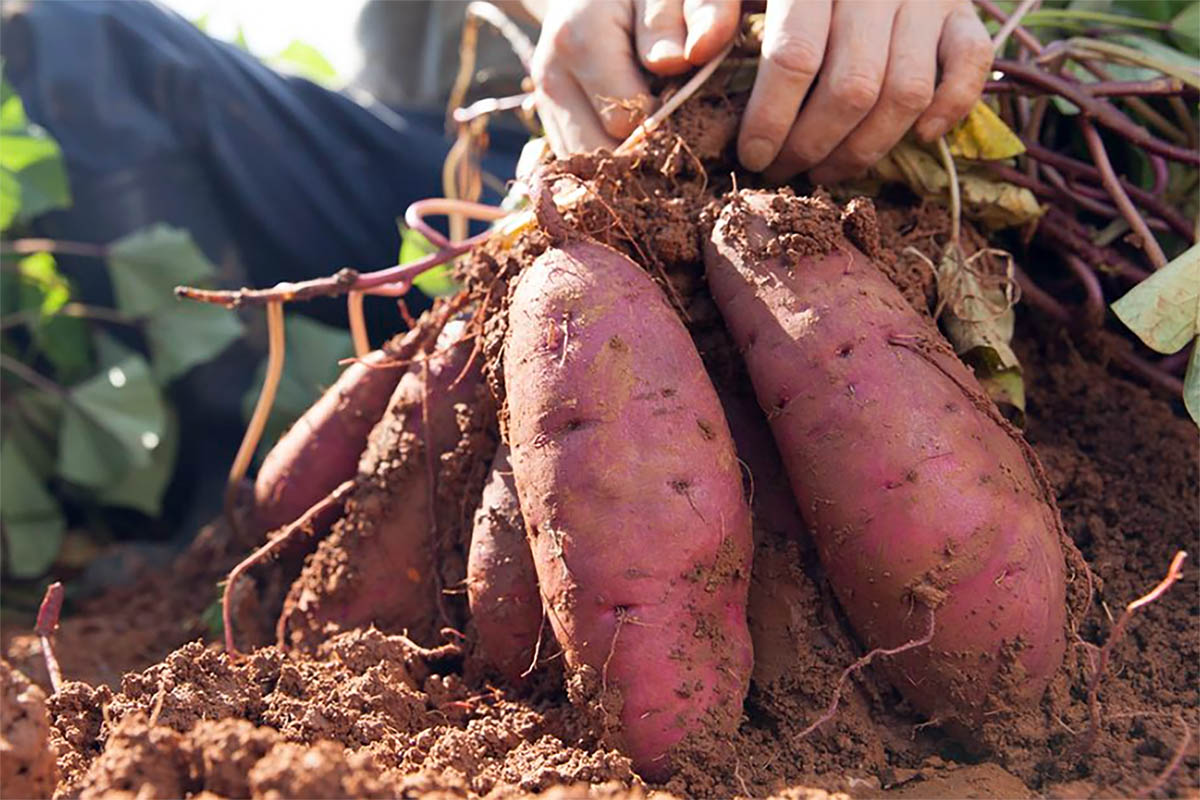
[[633, 503], [502, 588], [321, 450], [922, 501], [381, 563]]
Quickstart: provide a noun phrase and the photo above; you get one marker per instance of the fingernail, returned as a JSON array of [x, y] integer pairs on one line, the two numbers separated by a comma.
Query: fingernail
[[699, 24], [756, 153], [933, 128], [663, 51]]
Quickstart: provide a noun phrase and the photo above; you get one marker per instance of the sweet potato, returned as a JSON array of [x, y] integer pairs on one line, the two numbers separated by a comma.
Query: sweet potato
[[502, 588], [632, 499], [321, 450], [925, 506], [380, 563]]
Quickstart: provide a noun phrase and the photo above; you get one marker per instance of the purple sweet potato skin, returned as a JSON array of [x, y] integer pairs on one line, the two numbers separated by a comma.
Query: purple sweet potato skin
[[378, 565], [633, 503], [321, 450], [502, 588], [919, 499]]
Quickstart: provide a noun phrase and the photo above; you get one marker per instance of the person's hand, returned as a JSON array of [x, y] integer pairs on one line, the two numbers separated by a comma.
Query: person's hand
[[590, 89], [840, 81]]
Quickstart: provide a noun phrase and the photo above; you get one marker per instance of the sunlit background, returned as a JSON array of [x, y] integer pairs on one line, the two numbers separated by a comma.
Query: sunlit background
[[268, 27]]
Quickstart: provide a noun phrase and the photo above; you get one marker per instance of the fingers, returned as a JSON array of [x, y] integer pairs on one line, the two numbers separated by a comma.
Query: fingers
[[660, 32], [794, 37], [851, 81], [711, 24], [966, 57], [589, 90], [907, 90]]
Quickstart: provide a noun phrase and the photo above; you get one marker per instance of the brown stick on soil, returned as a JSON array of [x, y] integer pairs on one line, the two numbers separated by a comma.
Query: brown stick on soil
[[859, 664], [47, 624], [335, 497], [1174, 573]]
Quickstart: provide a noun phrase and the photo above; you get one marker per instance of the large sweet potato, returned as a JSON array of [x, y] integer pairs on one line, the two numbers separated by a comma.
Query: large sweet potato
[[922, 501], [382, 562], [502, 588], [632, 500]]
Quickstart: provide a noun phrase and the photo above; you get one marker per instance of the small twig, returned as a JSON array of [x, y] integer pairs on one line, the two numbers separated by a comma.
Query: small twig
[[262, 410], [30, 246], [1023, 36], [47, 624], [1174, 573], [358, 325], [859, 664], [1109, 177], [30, 376], [1011, 23], [490, 105], [673, 102], [336, 497]]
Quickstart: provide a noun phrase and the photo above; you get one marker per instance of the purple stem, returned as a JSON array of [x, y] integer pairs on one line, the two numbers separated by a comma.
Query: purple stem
[[1064, 232], [1112, 183], [1159, 164], [1157, 87], [1178, 222], [1094, 108], [1094, 306]]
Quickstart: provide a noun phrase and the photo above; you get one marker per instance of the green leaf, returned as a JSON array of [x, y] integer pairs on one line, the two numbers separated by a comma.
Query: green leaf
[[121, 406], [302, 59], [1185, 29], [1164, 309], [1191, 384], [64, 341], [35, 428], [147, 265], [1158, 10], [32, 177], [310, 366], [33, 522], [142, 488], [436, 282], [185, 334]]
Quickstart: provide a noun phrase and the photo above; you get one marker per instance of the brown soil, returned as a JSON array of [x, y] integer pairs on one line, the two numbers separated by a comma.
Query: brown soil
[[373, 714]]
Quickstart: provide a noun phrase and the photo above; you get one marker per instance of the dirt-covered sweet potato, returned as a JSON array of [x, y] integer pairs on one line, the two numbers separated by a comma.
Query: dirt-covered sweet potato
[[632, 497], [502, 588], [922, 501], [386, 561], [322, 448]]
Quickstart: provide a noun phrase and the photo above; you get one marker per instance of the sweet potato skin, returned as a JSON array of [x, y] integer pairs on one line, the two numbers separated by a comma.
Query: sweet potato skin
[[920, 500], [502, 588], [322, 448], [378, 565], [632, 499]]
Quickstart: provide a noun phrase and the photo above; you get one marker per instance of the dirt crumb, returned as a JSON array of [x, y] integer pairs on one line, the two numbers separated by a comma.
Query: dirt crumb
[[27, 765]]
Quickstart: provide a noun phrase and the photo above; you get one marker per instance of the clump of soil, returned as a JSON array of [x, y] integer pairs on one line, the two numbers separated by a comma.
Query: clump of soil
[[27, 764], [370, 713]]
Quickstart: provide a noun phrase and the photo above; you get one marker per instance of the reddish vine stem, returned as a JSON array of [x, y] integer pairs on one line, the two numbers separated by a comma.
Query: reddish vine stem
[[1174, 573], [1178, 222], [1094, 306], [1019, 33], [1063, 231], [47, 624], [1097, 109], [336, 497], [1108, 176], [1156, 87]]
